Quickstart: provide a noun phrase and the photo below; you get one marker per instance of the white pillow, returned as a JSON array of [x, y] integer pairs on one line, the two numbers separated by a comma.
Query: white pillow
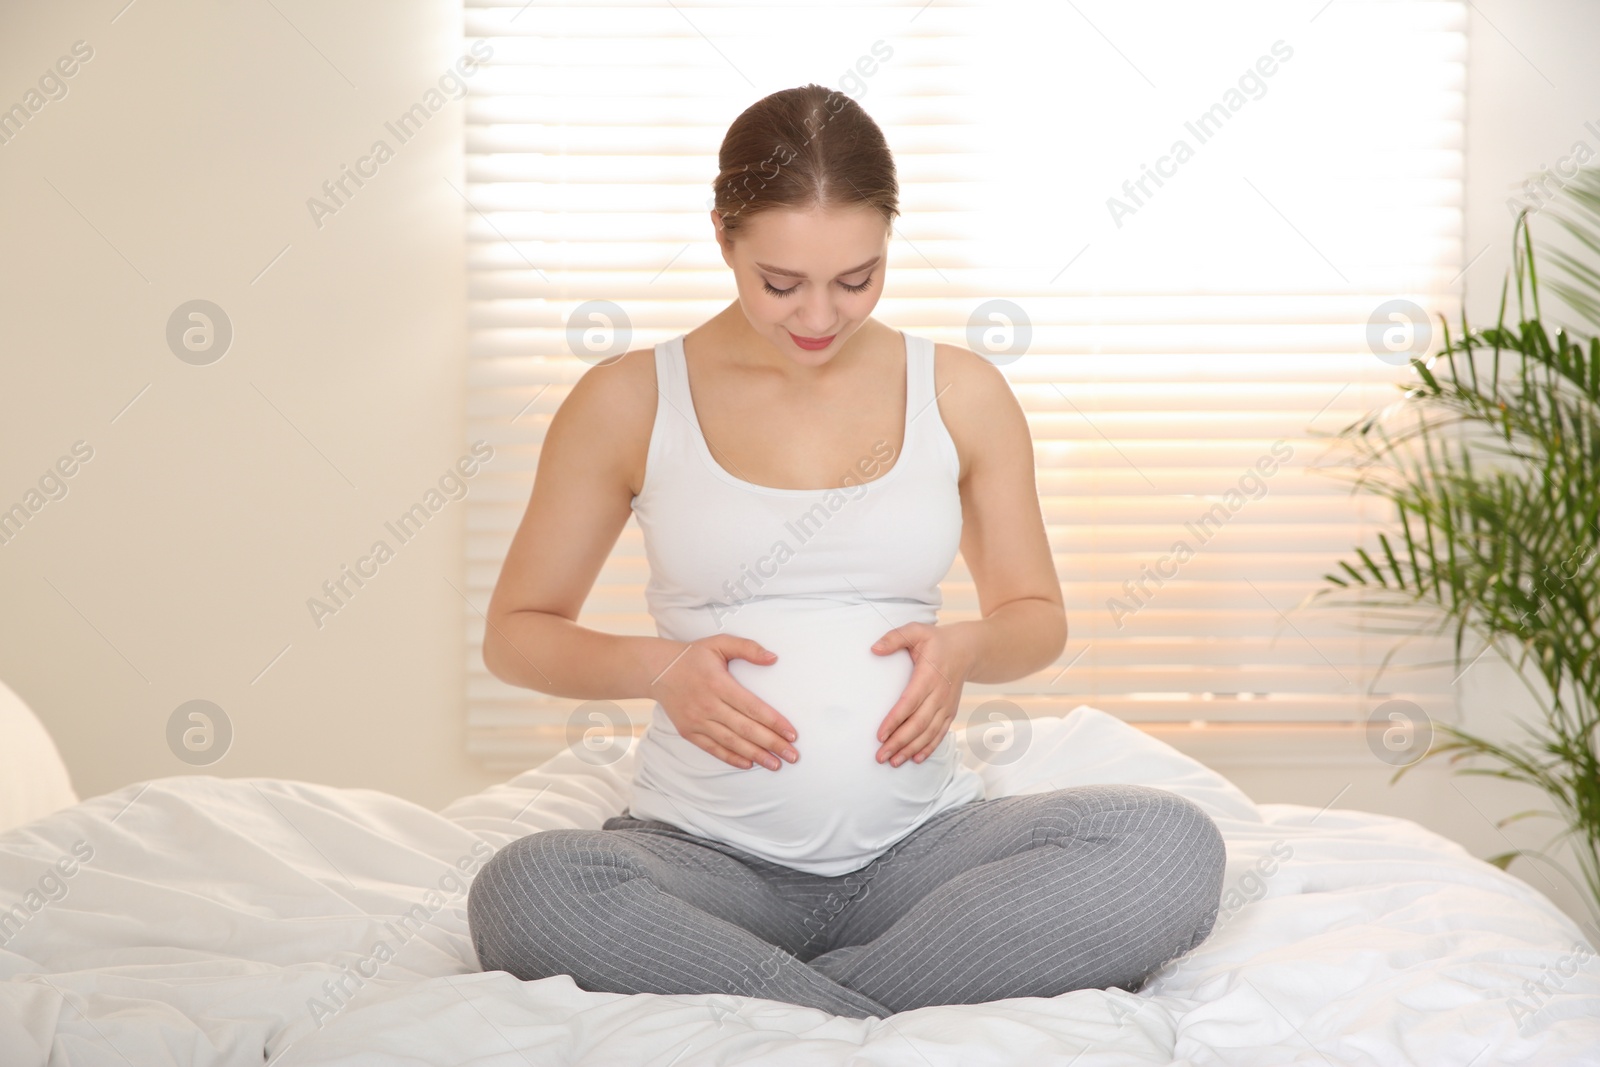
[[33, 780], [1088, 746]]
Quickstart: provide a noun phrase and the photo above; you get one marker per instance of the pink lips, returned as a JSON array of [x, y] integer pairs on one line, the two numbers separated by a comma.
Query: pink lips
[[813, 344]]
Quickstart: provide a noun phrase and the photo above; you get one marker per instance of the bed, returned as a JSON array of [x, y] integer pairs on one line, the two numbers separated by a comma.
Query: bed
[[200, 920]]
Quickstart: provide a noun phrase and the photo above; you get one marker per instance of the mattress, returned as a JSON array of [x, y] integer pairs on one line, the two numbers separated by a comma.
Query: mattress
[[199, 920]]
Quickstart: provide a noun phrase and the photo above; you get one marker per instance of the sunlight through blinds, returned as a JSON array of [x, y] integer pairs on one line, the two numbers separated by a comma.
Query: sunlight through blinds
[[1183, 231]]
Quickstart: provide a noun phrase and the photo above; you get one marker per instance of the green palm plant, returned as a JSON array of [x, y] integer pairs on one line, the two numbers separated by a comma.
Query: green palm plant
[[1492, 459]]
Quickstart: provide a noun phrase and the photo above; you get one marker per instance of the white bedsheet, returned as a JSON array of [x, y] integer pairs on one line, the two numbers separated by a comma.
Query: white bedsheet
[[204, 920]]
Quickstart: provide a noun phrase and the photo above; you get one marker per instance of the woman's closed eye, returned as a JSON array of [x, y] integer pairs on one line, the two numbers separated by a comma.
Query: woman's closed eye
[[785, 292]]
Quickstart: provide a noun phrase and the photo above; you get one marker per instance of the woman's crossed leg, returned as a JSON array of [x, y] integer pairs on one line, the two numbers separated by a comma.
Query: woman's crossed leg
[[645, 907], [1033, 895]]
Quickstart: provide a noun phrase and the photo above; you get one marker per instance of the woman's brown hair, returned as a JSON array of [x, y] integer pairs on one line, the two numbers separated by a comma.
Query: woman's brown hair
[[801, 148]]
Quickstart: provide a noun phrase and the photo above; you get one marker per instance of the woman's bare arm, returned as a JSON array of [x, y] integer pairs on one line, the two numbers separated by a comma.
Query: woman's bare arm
[[580, 502], [582, 496], [1003, 539]]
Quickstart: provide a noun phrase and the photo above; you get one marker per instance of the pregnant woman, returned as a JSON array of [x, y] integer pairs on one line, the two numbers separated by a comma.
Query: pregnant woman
[[803, 476]]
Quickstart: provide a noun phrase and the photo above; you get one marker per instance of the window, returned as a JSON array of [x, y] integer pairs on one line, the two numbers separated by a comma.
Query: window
[[1203, 219]]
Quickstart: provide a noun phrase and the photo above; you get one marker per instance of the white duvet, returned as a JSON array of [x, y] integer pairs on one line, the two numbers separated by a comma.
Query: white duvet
[[202, 920]]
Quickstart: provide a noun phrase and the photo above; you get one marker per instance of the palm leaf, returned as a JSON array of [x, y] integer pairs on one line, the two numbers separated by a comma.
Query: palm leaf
[[1491, 457]]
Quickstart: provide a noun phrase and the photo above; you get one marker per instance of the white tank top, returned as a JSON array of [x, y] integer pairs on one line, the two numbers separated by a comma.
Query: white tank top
[[817, 576]]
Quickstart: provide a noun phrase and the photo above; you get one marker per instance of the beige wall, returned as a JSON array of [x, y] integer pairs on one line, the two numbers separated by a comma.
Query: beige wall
[[179, 562], [178, 565]]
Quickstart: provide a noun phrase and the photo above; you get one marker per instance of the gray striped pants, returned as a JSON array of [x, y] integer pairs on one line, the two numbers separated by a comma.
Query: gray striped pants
[[1020, 896]]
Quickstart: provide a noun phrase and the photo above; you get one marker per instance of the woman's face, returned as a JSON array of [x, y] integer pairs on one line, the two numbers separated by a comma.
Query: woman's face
[[808, 275]]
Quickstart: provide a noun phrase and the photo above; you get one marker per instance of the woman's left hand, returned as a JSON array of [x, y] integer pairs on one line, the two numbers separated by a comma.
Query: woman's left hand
[[919, 720]]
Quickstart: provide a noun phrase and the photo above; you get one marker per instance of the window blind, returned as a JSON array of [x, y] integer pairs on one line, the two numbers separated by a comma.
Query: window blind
[[1190, 236]]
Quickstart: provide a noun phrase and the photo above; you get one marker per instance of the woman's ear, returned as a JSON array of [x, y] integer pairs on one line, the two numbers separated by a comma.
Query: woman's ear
[[724, 242]]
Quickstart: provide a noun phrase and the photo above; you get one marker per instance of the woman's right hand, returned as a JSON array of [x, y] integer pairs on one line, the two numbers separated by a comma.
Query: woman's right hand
[[715, 712]]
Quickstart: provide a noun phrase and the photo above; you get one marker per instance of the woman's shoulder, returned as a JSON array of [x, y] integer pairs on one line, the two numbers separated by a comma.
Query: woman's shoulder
[[966, 381], [611, 409], [974, 399], [963, 380], [620, 385]]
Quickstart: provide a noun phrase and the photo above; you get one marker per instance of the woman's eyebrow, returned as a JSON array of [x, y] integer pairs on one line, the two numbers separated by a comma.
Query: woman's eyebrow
[[873, 262]]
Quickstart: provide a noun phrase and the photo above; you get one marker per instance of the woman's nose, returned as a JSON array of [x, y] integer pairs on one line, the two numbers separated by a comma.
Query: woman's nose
[[817, 317]]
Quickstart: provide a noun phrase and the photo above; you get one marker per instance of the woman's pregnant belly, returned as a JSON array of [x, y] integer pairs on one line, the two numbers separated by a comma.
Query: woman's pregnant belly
[[836, 803]]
